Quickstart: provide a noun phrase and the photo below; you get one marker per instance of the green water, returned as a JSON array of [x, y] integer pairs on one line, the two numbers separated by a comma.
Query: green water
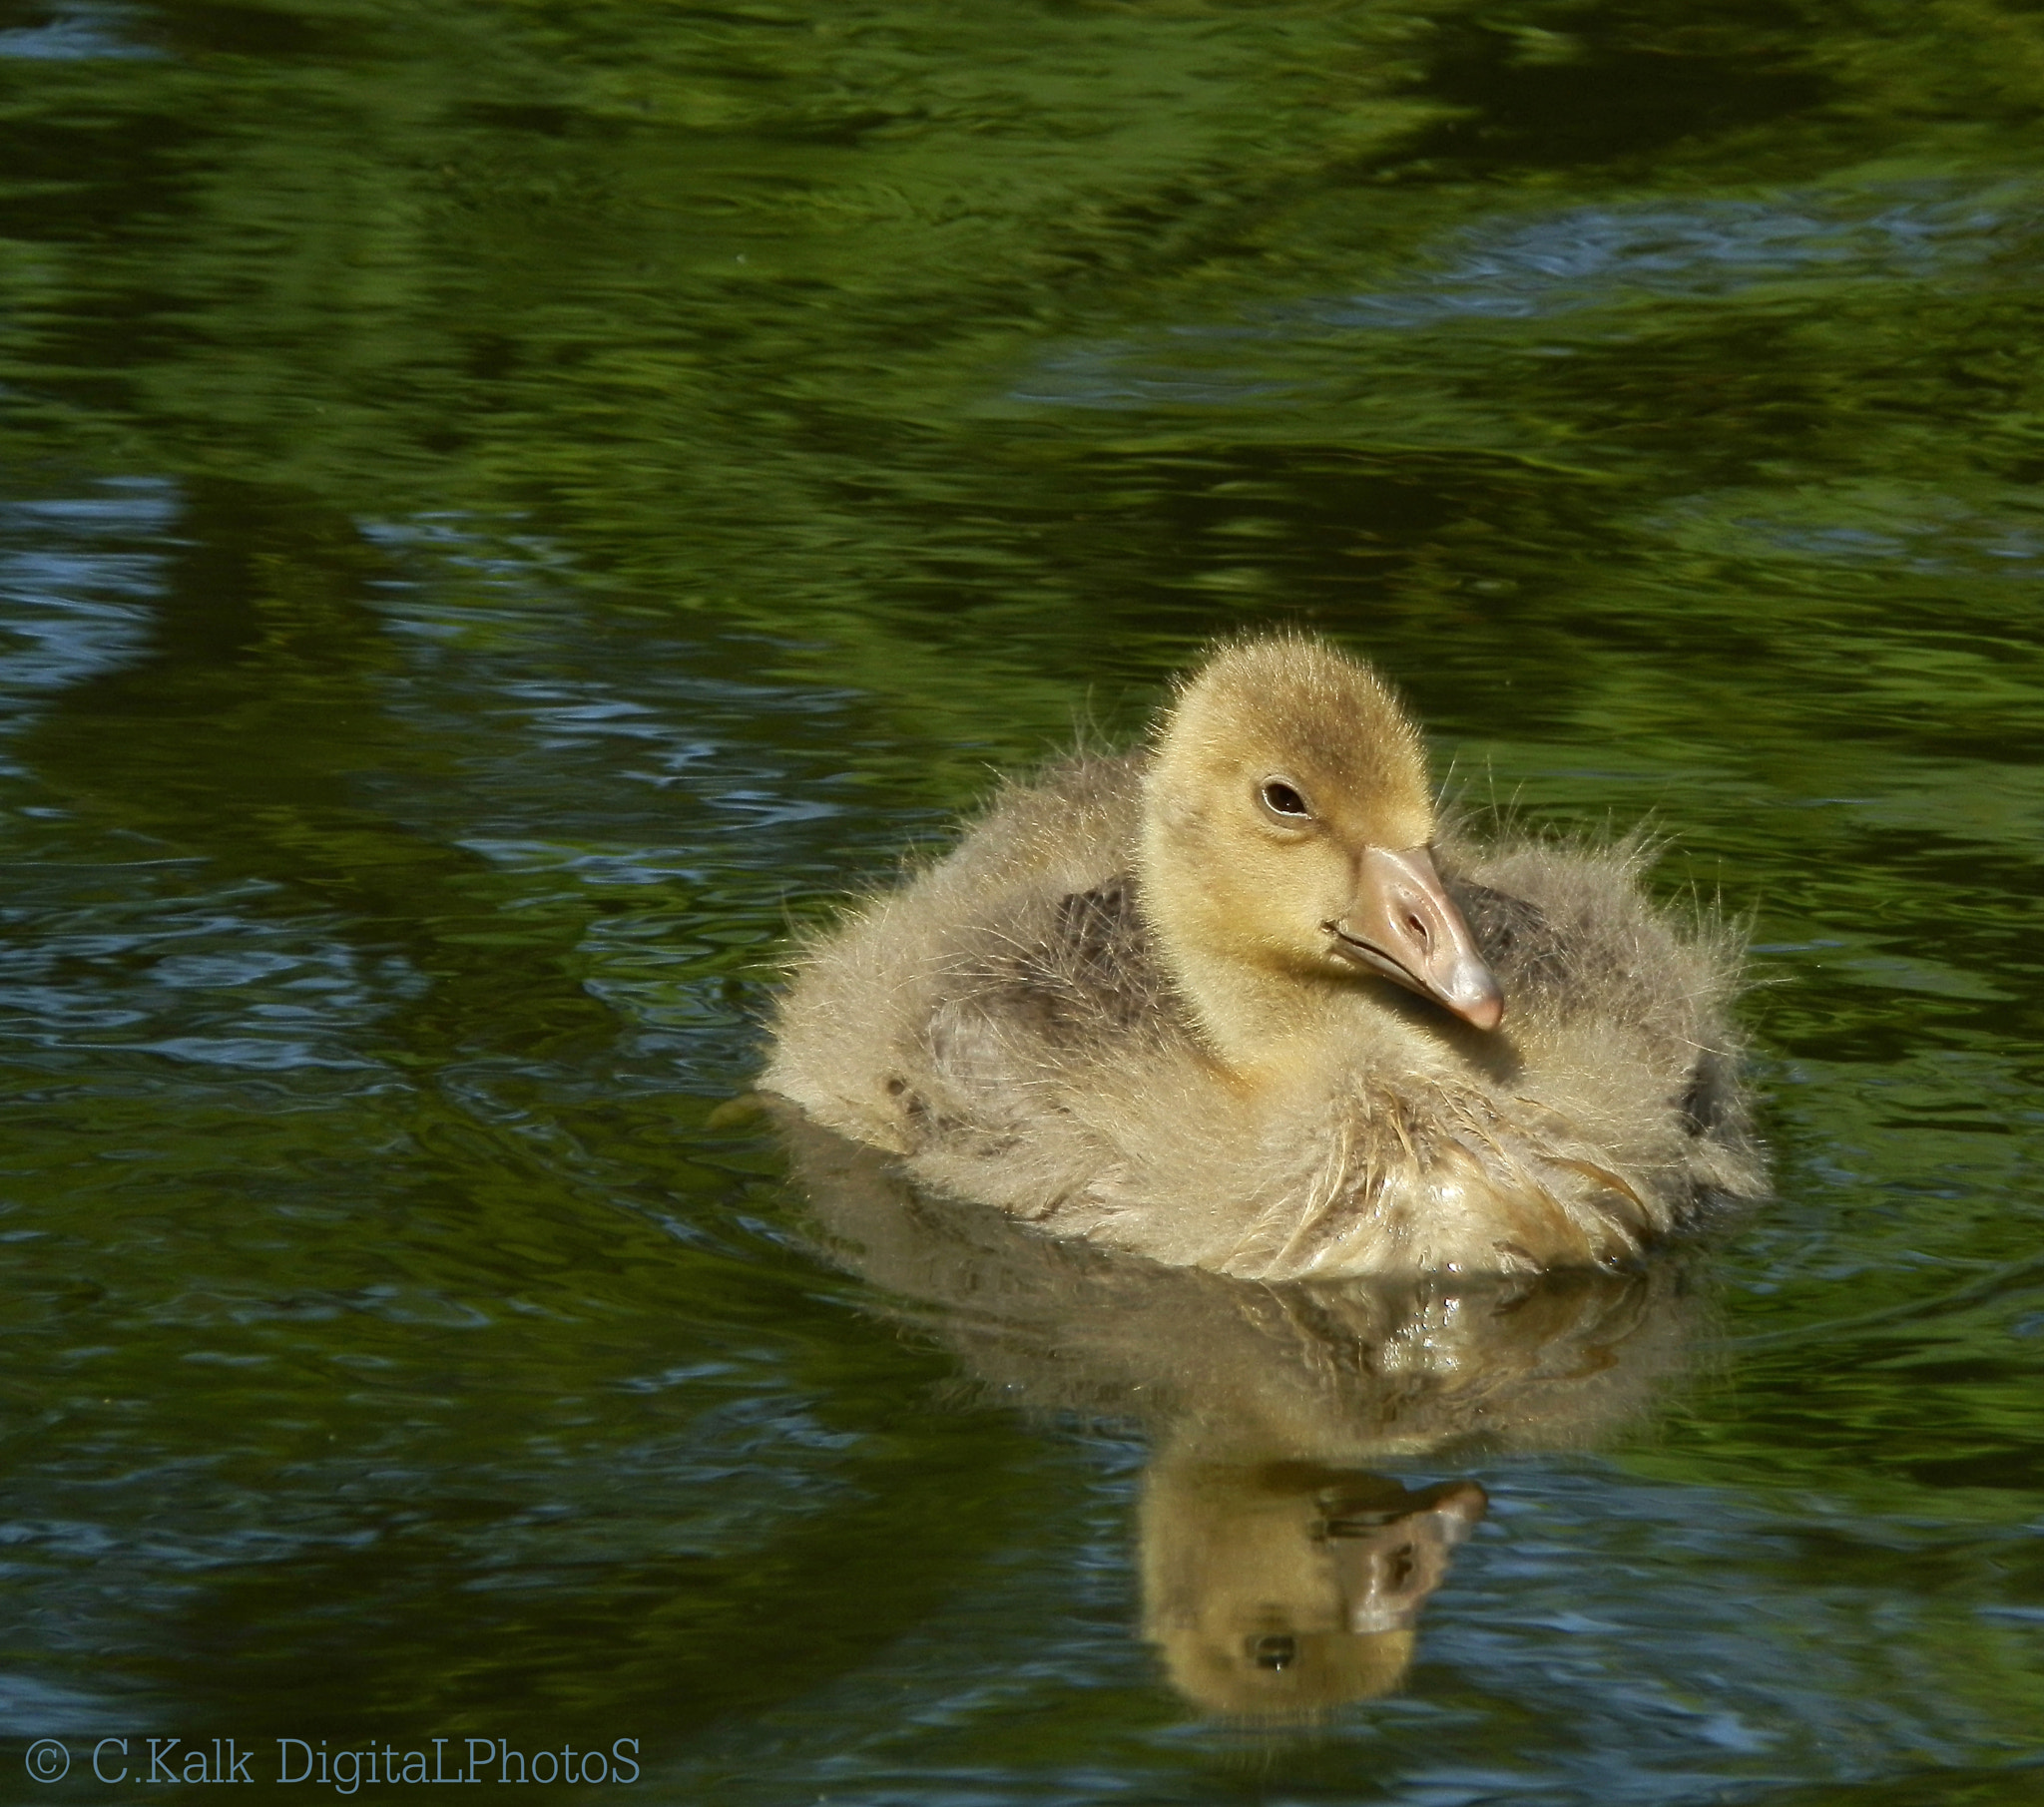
[[503, 504]]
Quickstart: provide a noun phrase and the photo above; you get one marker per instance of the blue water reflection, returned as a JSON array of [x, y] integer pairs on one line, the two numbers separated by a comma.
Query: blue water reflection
[[75, 32], [1609, 262]]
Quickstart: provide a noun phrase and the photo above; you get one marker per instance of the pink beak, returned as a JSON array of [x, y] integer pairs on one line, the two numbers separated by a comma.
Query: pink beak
[[1405, 926]]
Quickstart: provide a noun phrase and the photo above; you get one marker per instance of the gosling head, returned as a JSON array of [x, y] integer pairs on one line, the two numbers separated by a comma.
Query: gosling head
[[1286, 822]]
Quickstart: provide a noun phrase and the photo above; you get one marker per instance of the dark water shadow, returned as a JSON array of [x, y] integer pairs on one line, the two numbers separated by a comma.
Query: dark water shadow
[[255, 728]]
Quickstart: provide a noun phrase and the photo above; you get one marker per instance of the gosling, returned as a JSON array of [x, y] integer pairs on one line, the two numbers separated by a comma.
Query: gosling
[[1238, 1000]]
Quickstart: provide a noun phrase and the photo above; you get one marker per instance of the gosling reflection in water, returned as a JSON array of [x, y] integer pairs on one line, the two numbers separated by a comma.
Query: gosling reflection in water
[[1281, 1576], [1282, 1590]]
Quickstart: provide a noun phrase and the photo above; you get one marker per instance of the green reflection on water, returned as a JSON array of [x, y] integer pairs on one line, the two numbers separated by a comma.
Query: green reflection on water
[[503, 506]]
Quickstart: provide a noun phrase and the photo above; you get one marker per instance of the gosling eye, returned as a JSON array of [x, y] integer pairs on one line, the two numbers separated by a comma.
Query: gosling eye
[[1276, 1652], [1281, 800]]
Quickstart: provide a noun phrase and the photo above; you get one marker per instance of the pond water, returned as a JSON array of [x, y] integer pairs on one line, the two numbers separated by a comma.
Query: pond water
[[505, 505]]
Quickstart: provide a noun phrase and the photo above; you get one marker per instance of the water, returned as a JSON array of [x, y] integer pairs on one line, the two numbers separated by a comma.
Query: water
[[503, 507]]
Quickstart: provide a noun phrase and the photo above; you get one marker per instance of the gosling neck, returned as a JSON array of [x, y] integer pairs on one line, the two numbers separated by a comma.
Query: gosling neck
[[1262, 1017], [1264, 1020]]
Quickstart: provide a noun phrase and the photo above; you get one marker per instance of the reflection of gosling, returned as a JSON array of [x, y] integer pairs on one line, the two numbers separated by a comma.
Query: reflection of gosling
[[1213, 1001], [1278, 1578], [1344, 1373], [1280, 1590]]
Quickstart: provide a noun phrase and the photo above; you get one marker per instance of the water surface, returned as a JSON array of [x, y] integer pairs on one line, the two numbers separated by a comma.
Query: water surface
[[503, 507]]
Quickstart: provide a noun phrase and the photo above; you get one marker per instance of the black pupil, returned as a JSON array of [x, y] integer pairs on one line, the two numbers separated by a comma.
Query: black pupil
[[1284, 799], [1273, 1652]]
